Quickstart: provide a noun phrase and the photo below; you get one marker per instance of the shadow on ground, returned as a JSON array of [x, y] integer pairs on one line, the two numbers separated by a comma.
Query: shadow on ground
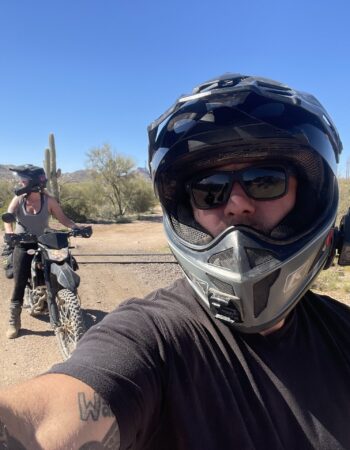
[[93, 316], [27, 332]]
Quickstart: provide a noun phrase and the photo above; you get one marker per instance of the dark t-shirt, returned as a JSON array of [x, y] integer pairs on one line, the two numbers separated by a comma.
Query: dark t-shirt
[[176, 378]]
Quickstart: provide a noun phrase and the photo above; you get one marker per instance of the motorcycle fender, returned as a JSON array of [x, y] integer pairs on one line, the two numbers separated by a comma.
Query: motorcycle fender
[[65, 275]]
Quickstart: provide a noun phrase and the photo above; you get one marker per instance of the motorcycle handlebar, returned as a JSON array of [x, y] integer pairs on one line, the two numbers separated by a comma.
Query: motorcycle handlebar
[[21, 238], [13, 239]]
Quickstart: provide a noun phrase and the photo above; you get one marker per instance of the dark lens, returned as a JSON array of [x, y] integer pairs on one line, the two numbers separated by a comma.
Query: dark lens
[[265, 182], [211, 191]]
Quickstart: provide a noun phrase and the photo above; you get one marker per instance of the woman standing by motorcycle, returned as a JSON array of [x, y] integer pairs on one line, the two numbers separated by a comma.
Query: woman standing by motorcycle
[[32, 206]]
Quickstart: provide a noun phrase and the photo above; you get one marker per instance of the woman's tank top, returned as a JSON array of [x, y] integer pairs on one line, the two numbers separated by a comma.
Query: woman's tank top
[[33, 223]]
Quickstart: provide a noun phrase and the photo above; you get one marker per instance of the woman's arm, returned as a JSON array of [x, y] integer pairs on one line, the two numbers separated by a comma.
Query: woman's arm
[[12, 208], [56, 412], [56, 210]]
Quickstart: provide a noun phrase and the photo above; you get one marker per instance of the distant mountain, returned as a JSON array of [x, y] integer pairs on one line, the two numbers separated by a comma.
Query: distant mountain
[[5, 173], [76, 177], [144, 172], [69, 177]]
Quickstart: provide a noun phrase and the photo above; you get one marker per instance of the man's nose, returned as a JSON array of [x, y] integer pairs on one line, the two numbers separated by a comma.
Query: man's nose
[[239, 204]]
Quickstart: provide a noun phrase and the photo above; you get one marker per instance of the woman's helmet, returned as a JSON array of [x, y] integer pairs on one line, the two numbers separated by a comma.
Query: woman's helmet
[[248, 278], [32, 179]]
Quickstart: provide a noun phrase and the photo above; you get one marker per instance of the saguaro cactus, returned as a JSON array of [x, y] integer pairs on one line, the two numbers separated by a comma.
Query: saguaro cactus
[[47, 167], [50, 167]]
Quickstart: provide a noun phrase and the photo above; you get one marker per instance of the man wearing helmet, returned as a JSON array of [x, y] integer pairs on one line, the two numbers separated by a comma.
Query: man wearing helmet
[[238, 354], [32, 206]]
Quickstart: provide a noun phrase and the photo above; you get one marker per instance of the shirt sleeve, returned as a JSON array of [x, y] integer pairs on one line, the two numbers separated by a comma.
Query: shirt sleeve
[[123, 359]]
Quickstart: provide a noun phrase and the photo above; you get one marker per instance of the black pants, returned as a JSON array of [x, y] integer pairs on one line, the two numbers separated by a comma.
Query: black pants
[[21, 273]]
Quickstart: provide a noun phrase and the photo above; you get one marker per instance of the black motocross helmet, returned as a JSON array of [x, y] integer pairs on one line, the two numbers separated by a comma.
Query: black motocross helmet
[[33, 179], [249, 279]]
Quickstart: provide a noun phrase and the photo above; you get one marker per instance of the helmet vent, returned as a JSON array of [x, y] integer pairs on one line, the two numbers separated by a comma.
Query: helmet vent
[[284, 92], [274, 86], [221, 285], [257, 257], [190, 232], [261, 292], [224, 259]]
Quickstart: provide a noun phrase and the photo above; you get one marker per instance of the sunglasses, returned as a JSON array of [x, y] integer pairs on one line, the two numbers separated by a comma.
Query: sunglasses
[[213, 189]]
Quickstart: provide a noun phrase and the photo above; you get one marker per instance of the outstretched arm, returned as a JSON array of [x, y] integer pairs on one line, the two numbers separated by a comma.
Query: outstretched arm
[[56, 210], [56, 412]]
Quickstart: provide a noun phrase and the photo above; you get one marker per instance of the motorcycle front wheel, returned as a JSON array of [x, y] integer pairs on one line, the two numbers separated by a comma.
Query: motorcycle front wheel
[[71, 319]]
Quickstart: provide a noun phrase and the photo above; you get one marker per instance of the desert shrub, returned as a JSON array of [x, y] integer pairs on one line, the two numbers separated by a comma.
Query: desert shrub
[[344, 200], [6, 195], [80, 201], [142, 198]]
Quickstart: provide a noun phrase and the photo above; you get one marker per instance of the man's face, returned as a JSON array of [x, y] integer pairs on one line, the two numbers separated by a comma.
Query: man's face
[[240, 209]]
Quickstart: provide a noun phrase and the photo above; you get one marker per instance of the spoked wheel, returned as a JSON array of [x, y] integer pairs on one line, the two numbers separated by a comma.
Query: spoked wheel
[[72, 323], [36, 300]]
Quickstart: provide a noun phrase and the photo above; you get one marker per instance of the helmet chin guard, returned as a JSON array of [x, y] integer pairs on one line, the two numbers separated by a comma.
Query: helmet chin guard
[[247, 280]]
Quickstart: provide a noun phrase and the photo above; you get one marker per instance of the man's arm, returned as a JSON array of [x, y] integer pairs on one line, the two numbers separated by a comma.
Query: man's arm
[[54, 412]]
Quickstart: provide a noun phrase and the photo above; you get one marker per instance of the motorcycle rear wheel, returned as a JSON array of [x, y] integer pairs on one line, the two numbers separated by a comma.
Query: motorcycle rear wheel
[[72, 323]]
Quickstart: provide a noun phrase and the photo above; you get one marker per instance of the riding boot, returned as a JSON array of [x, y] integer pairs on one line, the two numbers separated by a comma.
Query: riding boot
[[14, 322]]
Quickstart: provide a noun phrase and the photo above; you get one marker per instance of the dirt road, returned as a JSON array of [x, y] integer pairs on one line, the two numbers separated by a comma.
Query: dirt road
[[103, 287]]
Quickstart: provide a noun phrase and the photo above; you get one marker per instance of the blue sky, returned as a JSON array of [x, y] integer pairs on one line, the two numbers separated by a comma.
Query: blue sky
[[99, 71]]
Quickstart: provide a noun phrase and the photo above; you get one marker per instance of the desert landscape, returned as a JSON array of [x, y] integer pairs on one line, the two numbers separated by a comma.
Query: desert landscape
[[103, 286]]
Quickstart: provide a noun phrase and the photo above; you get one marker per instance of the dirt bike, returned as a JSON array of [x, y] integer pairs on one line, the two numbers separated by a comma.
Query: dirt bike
[[52, 286]]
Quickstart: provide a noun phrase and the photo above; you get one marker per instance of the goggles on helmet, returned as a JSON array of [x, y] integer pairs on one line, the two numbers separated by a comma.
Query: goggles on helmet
[[259, 182]]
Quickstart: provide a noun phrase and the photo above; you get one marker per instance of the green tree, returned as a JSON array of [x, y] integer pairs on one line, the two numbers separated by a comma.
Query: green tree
[[142, 196], [114, 173]]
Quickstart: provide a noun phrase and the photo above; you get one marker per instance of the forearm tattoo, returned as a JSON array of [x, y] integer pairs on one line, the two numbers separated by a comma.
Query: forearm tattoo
[[96, 409], [93, 409]]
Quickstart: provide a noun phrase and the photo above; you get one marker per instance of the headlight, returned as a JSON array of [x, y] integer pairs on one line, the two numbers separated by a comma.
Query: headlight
[[57, 255]]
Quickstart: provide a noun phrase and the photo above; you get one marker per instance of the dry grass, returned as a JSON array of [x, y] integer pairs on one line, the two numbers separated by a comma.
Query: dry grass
[[334, 282]]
